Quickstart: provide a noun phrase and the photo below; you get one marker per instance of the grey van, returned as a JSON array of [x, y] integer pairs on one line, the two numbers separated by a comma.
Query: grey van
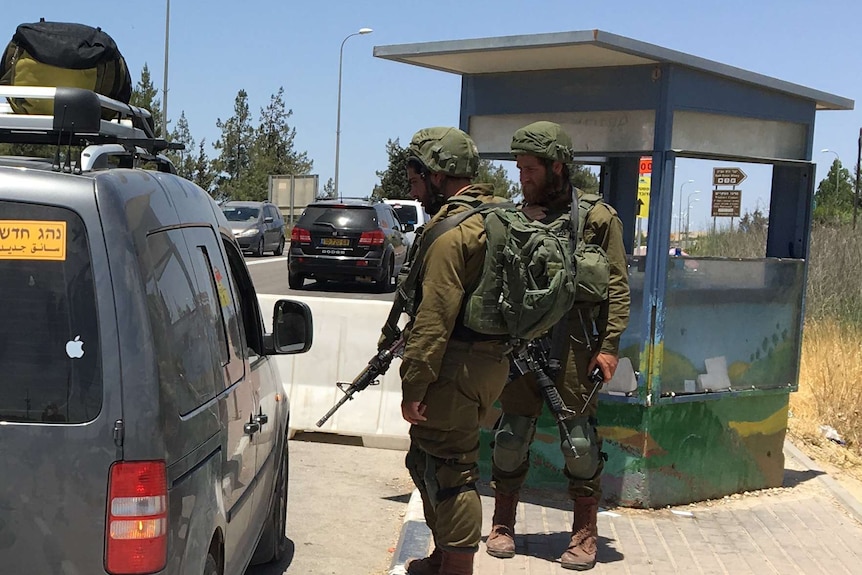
[[257, 226], [143, 423]]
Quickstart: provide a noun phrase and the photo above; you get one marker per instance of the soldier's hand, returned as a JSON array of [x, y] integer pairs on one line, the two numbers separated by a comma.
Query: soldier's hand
[[413, 411], [607, 362]]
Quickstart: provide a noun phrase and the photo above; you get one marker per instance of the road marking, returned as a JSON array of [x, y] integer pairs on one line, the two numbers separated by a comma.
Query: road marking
[[265, 261]]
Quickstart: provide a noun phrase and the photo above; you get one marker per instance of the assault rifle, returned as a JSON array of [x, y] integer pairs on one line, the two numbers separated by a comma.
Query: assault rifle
[[376, 367], [540, 357]]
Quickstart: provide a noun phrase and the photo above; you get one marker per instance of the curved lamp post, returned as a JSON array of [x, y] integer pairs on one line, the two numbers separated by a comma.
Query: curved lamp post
[[338, 121], [679, 221], [688, 215], [837, 167]]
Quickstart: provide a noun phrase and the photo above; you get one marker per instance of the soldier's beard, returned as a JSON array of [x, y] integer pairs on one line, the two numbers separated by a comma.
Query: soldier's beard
[[435, 197], [548, 192]]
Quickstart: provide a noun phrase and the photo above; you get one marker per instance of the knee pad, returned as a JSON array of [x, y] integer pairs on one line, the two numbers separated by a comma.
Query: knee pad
[[444, 479], [512, 441], [582, 434]]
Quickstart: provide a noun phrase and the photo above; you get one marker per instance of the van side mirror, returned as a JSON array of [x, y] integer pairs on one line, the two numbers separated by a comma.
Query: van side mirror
[[292, 327], [407, 228]]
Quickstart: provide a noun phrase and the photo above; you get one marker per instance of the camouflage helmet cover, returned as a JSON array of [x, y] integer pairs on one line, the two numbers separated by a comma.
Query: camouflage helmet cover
[[545, 140], [447, 150]]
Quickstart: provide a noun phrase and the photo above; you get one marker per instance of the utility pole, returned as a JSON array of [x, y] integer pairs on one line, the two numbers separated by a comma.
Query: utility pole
[[858, 163]]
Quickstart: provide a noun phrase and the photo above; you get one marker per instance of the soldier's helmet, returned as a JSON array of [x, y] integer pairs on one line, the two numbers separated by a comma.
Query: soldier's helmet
[[447, 150], [545, 140]]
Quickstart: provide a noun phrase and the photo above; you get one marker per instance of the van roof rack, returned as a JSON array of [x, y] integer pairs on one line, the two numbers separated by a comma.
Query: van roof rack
[[79, 119]]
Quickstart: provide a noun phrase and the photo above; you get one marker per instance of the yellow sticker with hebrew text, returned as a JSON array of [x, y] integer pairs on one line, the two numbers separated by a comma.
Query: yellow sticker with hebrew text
[[32, 240]]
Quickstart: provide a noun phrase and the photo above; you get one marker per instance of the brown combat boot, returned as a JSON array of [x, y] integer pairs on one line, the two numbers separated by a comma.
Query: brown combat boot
[[581, 554], [457, 563], [427, 566], [501, 539]]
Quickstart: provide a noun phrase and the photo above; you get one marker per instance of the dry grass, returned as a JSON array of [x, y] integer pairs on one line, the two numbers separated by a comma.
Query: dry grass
[[830, 382]]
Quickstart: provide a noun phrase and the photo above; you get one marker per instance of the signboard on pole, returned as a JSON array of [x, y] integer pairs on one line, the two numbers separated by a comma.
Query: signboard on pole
[[644, 183], [727, 176], [726, 203]]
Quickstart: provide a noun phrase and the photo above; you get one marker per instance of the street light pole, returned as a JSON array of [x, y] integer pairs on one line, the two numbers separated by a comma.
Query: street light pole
[[679, 221], [165, 82], [837, 167], [688, 215], [338, 121]]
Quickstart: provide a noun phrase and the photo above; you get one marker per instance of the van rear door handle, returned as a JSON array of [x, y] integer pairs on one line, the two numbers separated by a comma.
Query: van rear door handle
[[251, 427], [261, 417]]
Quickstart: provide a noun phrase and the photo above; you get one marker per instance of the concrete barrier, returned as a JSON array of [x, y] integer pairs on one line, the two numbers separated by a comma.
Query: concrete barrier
[[345, 338]]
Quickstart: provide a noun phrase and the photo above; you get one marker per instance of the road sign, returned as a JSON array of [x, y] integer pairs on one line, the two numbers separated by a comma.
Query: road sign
[[726, 203], [644, 183], [727, 176], [645, 166]]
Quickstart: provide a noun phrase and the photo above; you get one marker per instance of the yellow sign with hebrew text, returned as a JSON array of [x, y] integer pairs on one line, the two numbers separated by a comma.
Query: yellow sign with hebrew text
[[32, 240]]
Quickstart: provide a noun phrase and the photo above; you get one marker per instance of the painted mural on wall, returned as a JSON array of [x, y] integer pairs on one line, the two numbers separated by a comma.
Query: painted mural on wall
[[727, 361]]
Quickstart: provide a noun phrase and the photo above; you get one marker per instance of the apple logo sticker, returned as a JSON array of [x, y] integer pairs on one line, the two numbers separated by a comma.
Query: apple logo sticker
[[75, 348]]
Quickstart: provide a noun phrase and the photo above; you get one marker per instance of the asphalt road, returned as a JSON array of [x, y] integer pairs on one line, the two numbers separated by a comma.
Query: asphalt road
[[269, 274], [346, 505]]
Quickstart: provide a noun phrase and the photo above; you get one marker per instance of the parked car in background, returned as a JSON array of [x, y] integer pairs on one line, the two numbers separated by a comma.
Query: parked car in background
[[143, 420], [350, 240], [409, 212], [257, 226]]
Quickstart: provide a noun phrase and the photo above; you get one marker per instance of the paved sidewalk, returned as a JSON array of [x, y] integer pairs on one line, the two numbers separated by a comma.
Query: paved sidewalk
[[811, 525]]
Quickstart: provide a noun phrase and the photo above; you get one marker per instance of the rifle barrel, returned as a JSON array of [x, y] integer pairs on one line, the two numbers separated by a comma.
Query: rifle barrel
[[347, 397]]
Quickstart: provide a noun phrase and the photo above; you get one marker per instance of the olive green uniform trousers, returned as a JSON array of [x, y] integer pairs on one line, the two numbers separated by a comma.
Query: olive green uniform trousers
[[444, 450], [522, 397]]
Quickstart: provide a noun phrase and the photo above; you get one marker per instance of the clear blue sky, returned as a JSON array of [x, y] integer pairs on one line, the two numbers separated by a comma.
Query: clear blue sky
[[218, 47]]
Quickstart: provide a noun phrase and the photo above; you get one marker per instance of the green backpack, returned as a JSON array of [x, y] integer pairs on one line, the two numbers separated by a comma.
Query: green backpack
[[528, 278], [591, 260]]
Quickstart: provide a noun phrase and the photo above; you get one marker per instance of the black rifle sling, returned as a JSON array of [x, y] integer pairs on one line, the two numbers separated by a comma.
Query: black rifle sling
[[418, 263]]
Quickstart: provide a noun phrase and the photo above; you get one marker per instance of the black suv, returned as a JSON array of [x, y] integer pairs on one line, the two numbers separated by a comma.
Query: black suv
[[347, 240]]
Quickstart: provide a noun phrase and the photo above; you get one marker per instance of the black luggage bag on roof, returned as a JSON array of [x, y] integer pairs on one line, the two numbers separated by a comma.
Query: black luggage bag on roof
[[63, 54]]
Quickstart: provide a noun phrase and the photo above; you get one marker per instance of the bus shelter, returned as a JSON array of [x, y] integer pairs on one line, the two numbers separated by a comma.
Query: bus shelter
[[699, 406]]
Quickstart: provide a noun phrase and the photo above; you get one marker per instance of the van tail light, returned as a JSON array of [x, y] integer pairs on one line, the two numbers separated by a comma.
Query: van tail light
[[372, 238], [300, 236], [137, 527]]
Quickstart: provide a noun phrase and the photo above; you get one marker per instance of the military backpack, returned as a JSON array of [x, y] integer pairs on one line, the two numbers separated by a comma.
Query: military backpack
[[527, 282]]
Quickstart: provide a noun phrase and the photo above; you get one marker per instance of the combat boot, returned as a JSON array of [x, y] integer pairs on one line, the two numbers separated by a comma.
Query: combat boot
[[581, 554], [427, 566], [457, 563], [501, 539]]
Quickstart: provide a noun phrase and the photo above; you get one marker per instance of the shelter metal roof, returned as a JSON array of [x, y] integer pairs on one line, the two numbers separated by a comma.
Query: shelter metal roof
[[580, 49]]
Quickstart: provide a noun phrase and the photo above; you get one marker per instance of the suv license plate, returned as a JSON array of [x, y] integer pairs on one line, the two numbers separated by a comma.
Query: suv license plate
[[335, 242]]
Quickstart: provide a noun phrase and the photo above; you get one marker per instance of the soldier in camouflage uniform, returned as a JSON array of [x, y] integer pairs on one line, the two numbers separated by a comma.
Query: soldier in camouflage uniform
[[450, 375], [543, 152]]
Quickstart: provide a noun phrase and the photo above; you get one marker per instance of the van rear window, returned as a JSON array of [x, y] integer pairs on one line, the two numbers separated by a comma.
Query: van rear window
[[49, 336]]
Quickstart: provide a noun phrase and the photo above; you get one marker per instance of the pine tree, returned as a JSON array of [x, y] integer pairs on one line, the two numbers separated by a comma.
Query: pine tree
[[328, 192], [393, 180], [183, 160], [145, 95], [233, 164], [273, 149], [834, 204]]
